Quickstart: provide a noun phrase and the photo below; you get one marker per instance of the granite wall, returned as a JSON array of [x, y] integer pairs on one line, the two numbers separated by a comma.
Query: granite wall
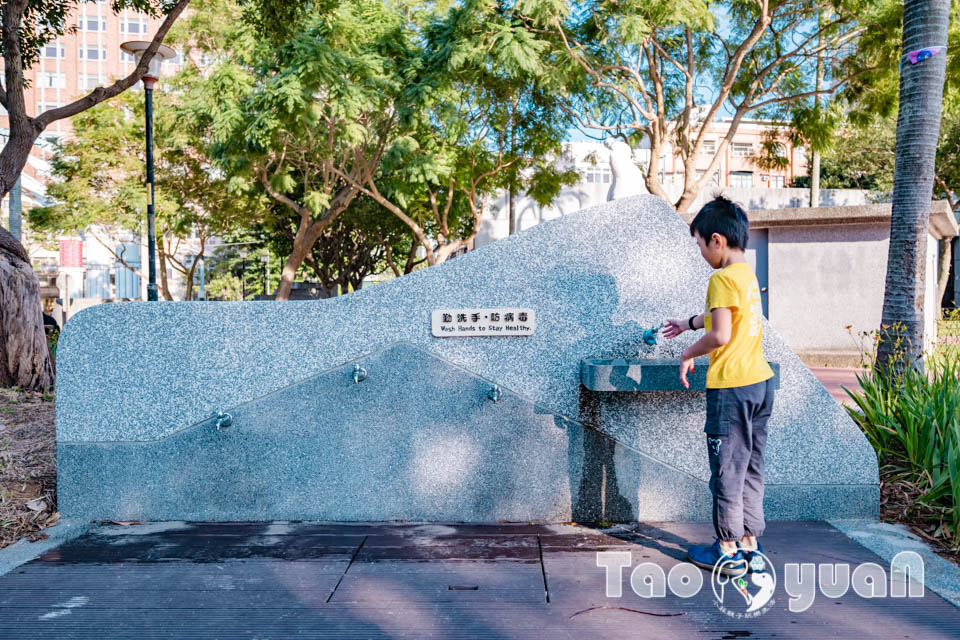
[[420, 438]]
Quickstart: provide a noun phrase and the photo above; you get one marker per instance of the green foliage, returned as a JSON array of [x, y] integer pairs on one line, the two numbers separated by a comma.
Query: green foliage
[[99, 184], [98, 174], [947, 179], [912, 420], [861, 154], [223, 286], [875, 90], [53, 338], [861, 158], [410, 102], [665, 71]]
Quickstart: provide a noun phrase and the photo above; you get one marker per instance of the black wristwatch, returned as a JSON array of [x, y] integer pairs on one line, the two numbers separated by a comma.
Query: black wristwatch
[[690, 322]]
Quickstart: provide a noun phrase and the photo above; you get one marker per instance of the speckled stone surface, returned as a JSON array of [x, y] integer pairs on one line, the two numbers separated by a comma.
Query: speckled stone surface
[[648, 374], [132, 373]]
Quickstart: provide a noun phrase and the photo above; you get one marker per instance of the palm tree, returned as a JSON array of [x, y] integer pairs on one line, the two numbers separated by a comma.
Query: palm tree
[[918, 127]]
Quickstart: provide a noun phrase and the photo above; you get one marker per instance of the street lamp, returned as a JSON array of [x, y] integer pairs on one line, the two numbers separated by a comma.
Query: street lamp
[[243, 274], [137, 48]]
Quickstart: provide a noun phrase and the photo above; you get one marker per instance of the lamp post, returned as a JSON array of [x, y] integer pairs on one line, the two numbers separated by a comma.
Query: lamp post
[[243, 274], [137, 48]]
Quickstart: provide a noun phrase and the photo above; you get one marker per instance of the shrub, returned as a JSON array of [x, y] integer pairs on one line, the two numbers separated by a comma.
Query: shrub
[[912, 419]]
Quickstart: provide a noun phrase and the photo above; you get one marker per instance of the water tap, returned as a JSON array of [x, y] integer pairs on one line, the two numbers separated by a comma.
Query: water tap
[[650, 335]]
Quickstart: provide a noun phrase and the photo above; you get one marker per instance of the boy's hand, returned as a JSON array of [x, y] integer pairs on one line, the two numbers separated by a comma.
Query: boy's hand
[[686, 364], [673, 327]]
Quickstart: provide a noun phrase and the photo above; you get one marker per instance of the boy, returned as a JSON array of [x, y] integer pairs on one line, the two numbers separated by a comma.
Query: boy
[[739, 389]]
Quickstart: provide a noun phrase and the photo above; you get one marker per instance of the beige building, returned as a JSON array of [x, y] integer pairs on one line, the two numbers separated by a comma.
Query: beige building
[[737, 168]]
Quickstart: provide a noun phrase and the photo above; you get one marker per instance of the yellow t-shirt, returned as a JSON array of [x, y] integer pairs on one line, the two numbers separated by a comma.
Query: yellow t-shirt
[[739, 362]]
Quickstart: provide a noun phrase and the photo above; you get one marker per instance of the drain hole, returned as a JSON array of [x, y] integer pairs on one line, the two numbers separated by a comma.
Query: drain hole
[[459, 587]]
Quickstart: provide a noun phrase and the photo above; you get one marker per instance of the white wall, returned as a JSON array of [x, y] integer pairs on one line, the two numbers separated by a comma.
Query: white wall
[[931, 304], [823, 278]]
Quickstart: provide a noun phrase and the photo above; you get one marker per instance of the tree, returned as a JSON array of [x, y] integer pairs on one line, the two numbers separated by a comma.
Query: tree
[[915, 88], [665, 71], [25, 26], [97, 187], [925, 24], [348, 250], [495, 120], [861, 157], [291, 119]]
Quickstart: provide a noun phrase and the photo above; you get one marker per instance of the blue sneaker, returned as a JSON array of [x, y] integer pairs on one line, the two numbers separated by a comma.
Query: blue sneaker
[[755, 561], [707, 557]]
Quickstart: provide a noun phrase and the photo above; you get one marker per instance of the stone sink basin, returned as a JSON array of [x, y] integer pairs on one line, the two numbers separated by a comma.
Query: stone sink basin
[[647, 374]]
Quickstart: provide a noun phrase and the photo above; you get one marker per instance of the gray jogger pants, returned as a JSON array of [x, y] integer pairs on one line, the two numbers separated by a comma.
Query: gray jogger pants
[[736, 431]]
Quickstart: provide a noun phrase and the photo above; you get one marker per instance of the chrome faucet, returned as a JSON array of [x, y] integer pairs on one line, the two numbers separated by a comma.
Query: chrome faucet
[[359, 373], [224, 420]]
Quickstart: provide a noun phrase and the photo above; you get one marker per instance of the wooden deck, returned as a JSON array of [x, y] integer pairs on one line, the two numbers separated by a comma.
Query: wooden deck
[[301, 580]]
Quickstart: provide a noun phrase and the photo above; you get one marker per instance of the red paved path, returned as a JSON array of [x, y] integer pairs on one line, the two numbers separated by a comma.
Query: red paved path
[[834, 379]]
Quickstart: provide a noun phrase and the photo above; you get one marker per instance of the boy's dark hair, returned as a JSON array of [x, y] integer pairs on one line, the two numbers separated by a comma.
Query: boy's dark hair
[[722, 215]]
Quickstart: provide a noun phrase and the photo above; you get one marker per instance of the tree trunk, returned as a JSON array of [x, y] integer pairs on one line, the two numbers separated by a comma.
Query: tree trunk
[[943, 273], [918, 127], [24, 352], [815, 179], [164, 285], [815, 153], [289, 272]]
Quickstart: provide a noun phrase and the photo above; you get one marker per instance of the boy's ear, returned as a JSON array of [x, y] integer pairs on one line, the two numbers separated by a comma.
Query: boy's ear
[[718, 238]]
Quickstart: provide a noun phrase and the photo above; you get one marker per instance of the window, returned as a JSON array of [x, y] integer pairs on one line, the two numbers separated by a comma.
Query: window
[[93, 23], [776, 182], [92, 52], [175, 60], [54, 50], [133, 26], [741, 179], [48, 80], [598, 175], [715, 179], [43, 107], [708, 148], [90, 81], [127, 57], [742, 149]]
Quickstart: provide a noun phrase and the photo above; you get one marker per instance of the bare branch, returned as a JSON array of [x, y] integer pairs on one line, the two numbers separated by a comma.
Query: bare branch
[[100, 94]]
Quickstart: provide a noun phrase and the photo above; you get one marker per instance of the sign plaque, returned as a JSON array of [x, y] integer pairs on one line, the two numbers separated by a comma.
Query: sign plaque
[[452, 323]]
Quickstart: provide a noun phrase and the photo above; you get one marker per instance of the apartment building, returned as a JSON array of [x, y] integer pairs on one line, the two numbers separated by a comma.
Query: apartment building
[[738, 167], [79, 61]]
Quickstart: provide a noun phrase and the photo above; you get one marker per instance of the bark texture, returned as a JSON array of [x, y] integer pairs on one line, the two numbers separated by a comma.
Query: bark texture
[[24, 353], [918, 128]]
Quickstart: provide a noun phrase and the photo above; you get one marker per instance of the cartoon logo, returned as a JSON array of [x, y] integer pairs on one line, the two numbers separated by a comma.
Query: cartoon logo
[[749, 595]]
